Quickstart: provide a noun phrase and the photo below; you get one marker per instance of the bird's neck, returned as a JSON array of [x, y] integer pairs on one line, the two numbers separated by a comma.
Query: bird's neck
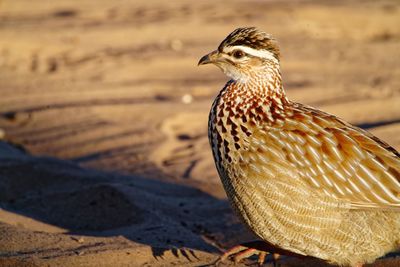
[[264, 83], [262, 89]]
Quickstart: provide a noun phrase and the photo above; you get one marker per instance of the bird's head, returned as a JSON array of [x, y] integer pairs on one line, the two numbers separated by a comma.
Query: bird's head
[[245, 53]]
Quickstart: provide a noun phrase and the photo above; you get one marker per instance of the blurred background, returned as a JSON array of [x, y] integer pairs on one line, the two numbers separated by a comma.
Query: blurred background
[[114, 85]]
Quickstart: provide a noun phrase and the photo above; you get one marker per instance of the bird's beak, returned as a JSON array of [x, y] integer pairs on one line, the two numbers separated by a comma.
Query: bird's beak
[[209, 58]]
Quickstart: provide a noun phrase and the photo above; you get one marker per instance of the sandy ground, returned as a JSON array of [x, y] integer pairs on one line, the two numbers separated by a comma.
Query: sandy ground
[[108, 112]]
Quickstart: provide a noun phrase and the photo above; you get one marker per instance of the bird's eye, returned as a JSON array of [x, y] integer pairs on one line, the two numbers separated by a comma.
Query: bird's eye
[[238, 54]]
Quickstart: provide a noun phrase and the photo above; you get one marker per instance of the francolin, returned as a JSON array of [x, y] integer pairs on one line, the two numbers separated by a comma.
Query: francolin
[[302, 180]]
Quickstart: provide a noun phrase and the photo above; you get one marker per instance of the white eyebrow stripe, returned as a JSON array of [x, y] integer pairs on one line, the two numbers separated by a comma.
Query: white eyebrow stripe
[[251, 51]]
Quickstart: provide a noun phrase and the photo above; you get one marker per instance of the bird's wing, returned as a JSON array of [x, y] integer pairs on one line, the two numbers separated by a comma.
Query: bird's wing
[[339, 159]]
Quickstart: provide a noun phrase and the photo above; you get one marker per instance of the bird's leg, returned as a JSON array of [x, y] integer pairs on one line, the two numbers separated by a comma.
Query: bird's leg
[[232, 251], [275, 258], [261, 257], [247, 253]]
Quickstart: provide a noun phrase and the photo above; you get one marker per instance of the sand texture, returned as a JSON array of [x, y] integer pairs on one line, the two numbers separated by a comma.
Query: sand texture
[[103, 115]]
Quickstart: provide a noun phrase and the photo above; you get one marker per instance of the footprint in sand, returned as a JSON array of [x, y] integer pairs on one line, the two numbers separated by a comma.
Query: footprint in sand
[[186, 153]]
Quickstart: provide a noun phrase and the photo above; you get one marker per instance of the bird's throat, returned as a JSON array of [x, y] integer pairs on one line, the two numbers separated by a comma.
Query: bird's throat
[[256, 97], [260, 85]]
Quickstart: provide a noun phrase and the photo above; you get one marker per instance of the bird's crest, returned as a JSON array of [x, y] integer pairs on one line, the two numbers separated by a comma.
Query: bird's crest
[[253, 38]]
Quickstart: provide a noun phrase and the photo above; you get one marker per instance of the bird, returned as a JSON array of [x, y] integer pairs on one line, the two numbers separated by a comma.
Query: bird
[[302, 180]]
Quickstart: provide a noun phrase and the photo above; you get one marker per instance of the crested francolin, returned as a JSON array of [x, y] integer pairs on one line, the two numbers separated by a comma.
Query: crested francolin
[[302, 180]]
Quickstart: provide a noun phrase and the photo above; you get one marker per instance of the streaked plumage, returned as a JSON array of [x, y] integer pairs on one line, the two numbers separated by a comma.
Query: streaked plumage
[[300, 179]]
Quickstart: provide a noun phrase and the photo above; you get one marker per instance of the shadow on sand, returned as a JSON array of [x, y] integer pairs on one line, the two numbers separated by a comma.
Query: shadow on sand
[[85, 202]]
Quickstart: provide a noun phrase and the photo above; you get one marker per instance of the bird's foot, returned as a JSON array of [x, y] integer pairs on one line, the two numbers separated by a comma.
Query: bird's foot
[[246, 250], [241, 252]]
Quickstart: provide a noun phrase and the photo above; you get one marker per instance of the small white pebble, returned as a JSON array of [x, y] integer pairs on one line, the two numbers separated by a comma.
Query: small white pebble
[[176, 45], [187, 98]]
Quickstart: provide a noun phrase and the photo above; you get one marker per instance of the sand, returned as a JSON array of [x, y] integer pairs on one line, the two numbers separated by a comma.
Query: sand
[[103, 116]]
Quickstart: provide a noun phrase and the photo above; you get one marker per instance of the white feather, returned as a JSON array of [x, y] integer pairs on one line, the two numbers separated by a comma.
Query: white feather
[[251, 51]]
